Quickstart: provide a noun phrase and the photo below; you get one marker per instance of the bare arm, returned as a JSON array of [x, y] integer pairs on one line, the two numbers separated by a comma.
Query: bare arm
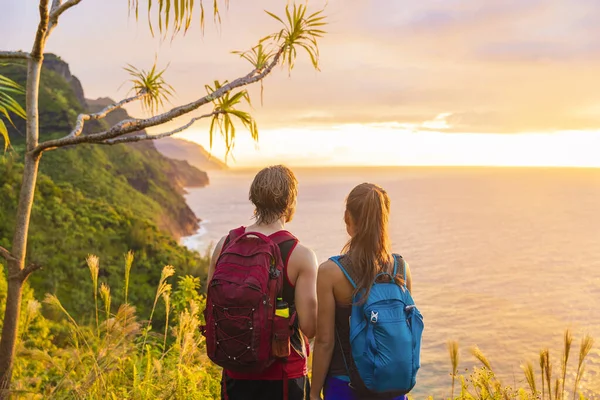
[[325, 338], [305, 295], [213, 259]]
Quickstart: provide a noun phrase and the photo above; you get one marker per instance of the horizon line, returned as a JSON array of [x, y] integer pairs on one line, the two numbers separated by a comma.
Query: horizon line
[[350, 166]]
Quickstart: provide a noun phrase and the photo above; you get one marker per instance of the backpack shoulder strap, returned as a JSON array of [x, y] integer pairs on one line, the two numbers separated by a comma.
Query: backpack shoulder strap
[[286, 242], [282, 236], [234, 234], [336, 259], [399, 262]]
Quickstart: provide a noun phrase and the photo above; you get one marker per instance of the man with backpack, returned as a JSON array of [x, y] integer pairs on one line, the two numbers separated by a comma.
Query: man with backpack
[[261, 305]]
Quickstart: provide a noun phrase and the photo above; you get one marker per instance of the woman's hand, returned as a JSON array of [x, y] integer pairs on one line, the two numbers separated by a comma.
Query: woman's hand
[[315, 396]]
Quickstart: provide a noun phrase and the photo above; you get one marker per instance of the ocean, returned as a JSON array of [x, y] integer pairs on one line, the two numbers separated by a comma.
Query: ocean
[[504, 259]]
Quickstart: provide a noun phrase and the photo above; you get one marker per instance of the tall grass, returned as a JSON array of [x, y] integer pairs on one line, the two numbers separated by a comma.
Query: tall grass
[[120, 357], [94, 265], [483, 384], [584, 349], [128, 265], [454, 358], [530, 377], [568, 340], [167, 299], [163, 287]]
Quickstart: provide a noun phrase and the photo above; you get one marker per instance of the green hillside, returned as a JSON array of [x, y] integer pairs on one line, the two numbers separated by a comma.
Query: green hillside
[[103, 200]]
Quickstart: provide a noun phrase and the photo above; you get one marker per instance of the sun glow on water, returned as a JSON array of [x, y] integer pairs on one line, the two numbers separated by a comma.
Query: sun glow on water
[[396, 145]]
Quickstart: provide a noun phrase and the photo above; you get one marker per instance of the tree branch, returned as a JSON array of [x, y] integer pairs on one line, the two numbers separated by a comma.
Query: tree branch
[[14, 55], [41, 34], [145, 136], [55, 5], [57, 9], [6, 254], [24, 273], [100, 114], [133, 124]]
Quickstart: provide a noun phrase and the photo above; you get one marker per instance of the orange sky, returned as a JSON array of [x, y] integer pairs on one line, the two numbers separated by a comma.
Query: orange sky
[[501, 82]]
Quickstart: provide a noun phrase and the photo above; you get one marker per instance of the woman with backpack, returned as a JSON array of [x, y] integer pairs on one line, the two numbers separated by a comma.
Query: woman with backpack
[[368, 336]]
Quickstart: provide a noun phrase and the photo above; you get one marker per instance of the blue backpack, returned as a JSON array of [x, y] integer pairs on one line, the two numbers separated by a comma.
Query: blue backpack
[[385, 337]]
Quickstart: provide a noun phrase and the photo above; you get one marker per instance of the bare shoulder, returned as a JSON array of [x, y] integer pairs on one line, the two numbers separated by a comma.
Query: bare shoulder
[[219, 246], [213, 258], [329, 271], [304, 257], [328, 267]]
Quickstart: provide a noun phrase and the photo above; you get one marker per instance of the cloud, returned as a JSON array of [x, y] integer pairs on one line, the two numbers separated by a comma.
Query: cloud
[[439, 123], [498, 65]]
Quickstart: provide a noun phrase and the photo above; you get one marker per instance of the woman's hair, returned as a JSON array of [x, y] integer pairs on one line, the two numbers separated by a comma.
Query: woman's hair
[[273, 193], [368, 251]]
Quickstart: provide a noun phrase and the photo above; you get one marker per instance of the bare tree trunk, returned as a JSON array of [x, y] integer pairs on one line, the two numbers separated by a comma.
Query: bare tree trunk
[[17, 271], [9, 334]]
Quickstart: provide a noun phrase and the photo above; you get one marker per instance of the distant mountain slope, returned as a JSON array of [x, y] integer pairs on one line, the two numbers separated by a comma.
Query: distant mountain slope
[[180, 172], [191, 152]]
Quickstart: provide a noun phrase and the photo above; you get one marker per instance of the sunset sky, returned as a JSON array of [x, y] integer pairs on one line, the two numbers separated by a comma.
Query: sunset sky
[[429, 82]]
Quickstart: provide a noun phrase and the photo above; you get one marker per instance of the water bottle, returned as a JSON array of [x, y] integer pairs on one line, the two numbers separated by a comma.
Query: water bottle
[[282, 330]]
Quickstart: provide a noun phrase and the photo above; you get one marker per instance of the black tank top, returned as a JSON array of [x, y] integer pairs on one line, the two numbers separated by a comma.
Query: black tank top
[[340, 357]]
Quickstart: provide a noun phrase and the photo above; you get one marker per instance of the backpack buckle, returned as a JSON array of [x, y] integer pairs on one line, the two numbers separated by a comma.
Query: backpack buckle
[[274, 273], [374, 317]]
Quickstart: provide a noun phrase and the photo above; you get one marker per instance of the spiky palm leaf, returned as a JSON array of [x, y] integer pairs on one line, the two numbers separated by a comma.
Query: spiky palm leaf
[[225, 108], [151, 85], [9, 105], [299, 31], [176, 14], [259, 56]]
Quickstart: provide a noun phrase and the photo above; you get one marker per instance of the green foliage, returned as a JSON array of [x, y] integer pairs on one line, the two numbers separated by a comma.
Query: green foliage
[[259, 56], [58, 103], [151, 86], [176, 14], [224, 109], [9, 105], [188, 289], [299, 31], [95, 199], [67, 223]]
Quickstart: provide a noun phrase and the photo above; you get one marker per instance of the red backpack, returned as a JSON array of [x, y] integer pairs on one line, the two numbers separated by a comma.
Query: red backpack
[[240, 302]]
